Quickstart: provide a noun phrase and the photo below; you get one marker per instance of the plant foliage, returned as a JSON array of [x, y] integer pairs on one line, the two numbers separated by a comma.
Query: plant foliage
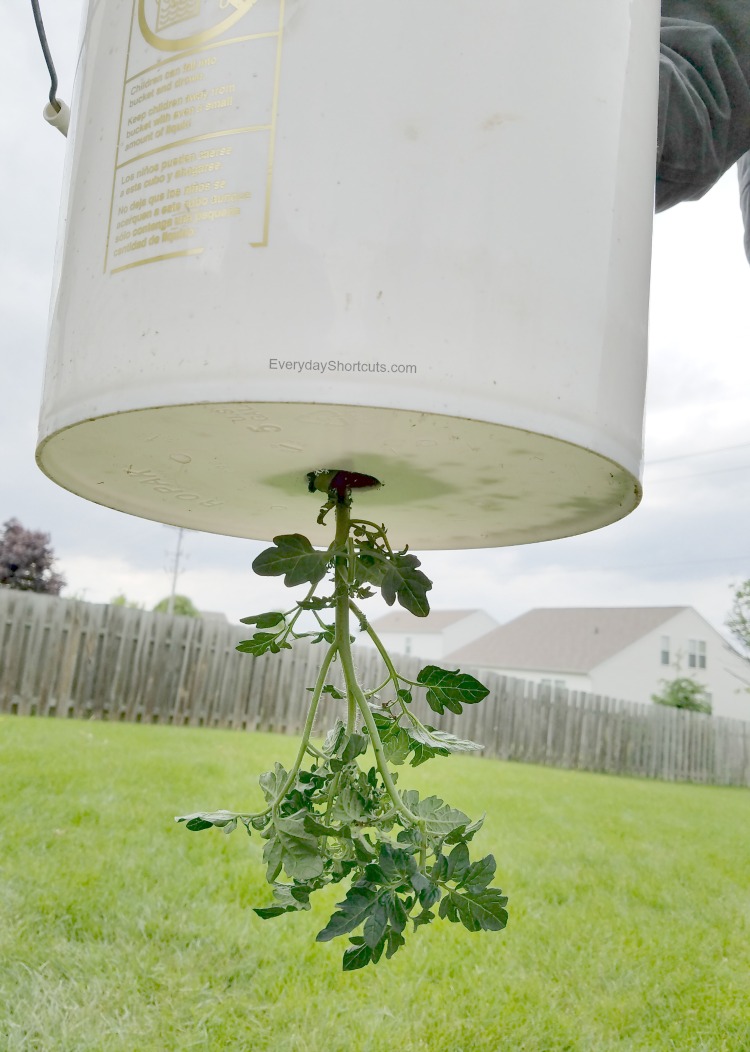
[[684, 693], [27, 560], [337, 815], [182, 606], [738, 621]]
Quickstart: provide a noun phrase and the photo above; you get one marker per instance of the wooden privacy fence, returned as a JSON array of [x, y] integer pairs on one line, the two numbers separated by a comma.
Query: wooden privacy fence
[[66, 658]]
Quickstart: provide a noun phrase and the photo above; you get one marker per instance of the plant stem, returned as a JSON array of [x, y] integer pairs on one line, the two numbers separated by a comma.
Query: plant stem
[[341, 566], [307, 730], [354, 692]]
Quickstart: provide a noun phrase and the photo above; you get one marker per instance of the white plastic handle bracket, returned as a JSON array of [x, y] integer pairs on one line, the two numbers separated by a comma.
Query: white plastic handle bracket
[[59, 119]]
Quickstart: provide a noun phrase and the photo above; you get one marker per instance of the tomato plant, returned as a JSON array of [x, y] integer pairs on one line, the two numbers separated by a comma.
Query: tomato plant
[[337, 814]]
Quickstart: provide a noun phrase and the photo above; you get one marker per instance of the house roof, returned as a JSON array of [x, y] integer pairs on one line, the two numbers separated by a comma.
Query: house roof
[[573, 639], [436, 621]]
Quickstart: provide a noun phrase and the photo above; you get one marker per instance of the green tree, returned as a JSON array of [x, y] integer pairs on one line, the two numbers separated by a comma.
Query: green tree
[[738, 621], [122, 600], [683, 692], [181, 605]]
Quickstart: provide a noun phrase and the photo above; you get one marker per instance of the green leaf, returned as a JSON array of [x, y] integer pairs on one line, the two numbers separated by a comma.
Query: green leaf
[[273, 619], [403, 581], [429, 896], [301, 857], [196, 824], [479, 874], [395, 942], [207, 819], [425, 917], [465, 834], [272, 782], [440, 868], [450, 690], [293, 557], [349, 806], [482, 910], [289, 899], [376, 924], [273, 856], [442, 741], [458, 863], [262, 643], [329, 688], [397, 576], [397, 914], [326, 635], [421, 753], [395, 739], [353, 911], [396, 863], [312, 825], [363, 851], [355, 746], [357, 956], [440, 819], [316, 602], [334, 739]]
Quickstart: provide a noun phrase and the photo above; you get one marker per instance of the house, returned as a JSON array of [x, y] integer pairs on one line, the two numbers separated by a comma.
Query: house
[[432, 636], [623, 652]]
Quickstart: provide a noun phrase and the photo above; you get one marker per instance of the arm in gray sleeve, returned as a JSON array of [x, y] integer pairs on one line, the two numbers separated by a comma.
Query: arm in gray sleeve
[[704, 95], [743, 170]]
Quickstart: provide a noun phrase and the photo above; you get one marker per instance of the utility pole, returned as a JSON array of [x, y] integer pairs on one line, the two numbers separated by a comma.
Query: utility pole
[[175, 571]]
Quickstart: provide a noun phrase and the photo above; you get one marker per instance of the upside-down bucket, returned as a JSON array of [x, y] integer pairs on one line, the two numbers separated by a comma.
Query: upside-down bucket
[[409, 238]]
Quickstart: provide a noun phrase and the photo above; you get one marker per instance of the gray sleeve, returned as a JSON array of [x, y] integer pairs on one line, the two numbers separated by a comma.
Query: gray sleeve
[[743, 170], [704, 95]]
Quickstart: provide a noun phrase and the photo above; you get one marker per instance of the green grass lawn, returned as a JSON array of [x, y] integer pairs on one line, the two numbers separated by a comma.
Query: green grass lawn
[[120, 930]]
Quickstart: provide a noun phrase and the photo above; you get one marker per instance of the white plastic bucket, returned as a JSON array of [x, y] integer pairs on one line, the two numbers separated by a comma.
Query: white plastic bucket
[[409, 238]]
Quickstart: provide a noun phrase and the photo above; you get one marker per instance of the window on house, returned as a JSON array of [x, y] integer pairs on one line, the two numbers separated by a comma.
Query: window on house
[[696, 653], [665, 650], [407, 644]]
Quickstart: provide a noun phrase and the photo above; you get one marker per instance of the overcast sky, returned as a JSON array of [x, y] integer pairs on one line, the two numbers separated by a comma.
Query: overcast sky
[[685, 544]]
